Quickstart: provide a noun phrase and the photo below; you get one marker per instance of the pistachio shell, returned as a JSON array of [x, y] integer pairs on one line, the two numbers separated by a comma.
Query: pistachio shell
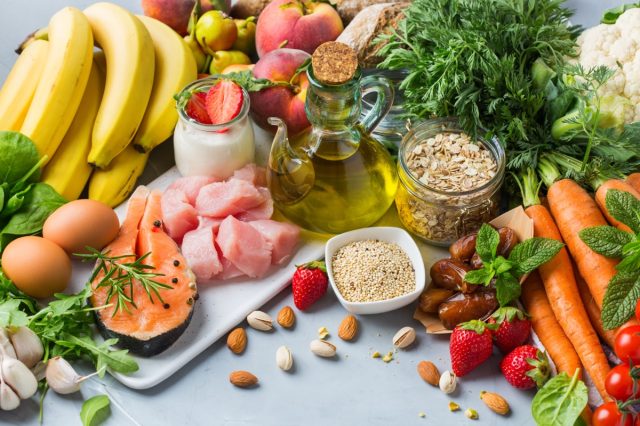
[[284, 358], [404, 337], [322, 348], [260, 321]]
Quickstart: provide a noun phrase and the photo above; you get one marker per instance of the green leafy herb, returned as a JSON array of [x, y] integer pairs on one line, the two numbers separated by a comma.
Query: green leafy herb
[[524, 258], [11, 315], [610, 16], [19, 158], [623, 290], [116, 360], [120, 275], [95, 410], [560, 401]]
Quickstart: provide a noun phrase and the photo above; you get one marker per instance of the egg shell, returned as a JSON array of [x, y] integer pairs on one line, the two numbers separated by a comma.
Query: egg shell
[[82, 223], [37, 266]]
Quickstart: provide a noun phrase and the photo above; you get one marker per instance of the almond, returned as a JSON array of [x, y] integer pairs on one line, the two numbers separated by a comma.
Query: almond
[[286, 317], [495, 402], [429, 372], [242, 379], [237, 340], [348, 328]]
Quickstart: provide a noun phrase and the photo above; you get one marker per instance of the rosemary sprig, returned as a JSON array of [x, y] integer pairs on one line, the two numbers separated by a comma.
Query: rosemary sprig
[[120, 276]]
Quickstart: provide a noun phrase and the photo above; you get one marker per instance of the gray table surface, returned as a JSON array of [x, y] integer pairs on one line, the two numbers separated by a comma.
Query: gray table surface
[[352, 389]]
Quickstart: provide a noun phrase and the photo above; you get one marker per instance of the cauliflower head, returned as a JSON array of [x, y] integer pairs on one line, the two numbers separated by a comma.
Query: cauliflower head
[[616, 46]]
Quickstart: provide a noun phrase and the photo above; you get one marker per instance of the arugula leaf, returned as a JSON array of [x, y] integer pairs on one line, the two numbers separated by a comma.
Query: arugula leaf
[[487, 242], [95, 410], [118, 360], [605, 240], [620, 299], [560, 401], [8, 291], [531, 253], [18, 156], [624, 207], [508, 289], [11, 314]]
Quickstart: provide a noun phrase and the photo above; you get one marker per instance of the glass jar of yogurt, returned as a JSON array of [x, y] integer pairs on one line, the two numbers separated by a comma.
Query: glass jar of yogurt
[[212, 149]]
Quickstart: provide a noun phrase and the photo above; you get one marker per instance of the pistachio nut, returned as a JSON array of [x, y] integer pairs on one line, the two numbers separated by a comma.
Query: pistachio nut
[[27, 345], [260, 321], [404, 337], [8, 398], [322, 348], [284, 359], [447, 382], [18, 377]]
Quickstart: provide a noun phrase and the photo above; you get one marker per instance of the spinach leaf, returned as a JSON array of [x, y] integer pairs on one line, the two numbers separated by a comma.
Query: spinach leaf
[[560, 401], [38, 204], [605, 240], [18, 156], [94, 410], [15, 202]]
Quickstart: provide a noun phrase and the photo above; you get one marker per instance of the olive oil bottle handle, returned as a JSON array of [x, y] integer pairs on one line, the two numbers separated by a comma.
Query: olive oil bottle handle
[[384, 90]]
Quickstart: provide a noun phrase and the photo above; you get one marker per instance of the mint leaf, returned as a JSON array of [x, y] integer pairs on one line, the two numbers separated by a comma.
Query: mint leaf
[[560, 401], [624, 207], [531, 253], [605, 240], [623, 292], [94, 410], [507, 289], [631, 257], [479, 276], [487, 242]]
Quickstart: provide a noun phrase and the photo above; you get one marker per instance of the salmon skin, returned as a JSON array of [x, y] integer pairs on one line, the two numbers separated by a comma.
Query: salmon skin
[[152, 325]]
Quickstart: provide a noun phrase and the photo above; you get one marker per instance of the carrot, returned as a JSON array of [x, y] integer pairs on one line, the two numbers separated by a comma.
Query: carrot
[[634, 180], [600, 199], [609, 336], [562, 292], [574, 210]]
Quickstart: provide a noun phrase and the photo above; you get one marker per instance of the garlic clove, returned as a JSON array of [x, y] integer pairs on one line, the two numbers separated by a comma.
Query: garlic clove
[[19, 377], [27, 345], [6, 348], [61, 377], [39, 370], [8, 398]]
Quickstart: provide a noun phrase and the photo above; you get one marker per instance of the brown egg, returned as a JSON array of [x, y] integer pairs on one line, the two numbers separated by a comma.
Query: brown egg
[[80, 224], [37, 266]]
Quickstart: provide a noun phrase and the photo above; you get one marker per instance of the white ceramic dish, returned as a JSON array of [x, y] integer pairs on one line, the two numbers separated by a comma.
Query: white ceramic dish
[[383, 233], [221, 306]]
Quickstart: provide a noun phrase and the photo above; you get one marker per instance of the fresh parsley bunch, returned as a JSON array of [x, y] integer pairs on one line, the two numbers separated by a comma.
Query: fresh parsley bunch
[[524, 258], [623, 291]]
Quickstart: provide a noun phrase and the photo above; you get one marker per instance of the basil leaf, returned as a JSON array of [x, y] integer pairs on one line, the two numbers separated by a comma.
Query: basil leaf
[[623, 292], [605, 240], [531, 253], [479, 276], [624, 207], [560, 401], [507, 289], [18, 156], [95, 410], [487, 242]]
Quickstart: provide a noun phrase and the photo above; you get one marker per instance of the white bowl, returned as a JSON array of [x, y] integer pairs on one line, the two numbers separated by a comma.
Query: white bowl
[[390, 235]]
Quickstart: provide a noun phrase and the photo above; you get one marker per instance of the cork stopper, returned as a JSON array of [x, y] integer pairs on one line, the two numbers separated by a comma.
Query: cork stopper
[[334, 63]]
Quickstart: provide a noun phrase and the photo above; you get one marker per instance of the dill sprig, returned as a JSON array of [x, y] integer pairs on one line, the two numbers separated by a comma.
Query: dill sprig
[[120, 276]]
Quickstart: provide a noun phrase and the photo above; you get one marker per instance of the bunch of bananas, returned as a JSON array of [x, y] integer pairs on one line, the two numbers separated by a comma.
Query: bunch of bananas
[[97, 115]]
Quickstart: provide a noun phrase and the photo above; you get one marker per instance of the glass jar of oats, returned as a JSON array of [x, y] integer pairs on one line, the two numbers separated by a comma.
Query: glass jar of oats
[[449, 182]]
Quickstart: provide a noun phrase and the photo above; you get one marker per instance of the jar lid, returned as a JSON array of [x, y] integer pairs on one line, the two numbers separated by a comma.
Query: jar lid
[[334, 63]]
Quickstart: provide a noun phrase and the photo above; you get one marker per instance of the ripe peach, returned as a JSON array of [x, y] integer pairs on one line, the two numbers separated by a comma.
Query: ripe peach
[[175, 13], [296, 24], [284, 102]]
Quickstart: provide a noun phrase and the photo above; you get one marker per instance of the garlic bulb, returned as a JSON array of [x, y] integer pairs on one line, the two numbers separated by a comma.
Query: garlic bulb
[[8, 398], [19, 377], [27, 345], [6, 348], [61, 377]]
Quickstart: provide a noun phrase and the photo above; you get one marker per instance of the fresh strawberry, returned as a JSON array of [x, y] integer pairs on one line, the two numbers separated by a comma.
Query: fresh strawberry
[[470, 346], [513, 329], [525, 367], [224, 101], [309, 283], [196, 108]]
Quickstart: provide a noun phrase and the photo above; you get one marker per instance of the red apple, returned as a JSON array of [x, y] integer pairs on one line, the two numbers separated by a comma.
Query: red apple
[[286, 103], [296, 24]]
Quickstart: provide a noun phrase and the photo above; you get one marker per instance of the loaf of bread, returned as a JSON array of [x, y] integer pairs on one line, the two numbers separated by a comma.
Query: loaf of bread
[[368, 24]]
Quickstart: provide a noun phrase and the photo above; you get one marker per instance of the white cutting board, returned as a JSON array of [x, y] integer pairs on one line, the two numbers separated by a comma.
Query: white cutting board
[[221, 306]]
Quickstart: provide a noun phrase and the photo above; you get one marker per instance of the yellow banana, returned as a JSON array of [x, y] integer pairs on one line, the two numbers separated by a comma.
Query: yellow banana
[[19, 87], [68, 170], [175, 67], [64, 77], [113, 185], [128, 50]]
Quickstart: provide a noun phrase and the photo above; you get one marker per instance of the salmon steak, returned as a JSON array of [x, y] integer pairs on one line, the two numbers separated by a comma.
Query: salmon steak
[[154, 318]]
